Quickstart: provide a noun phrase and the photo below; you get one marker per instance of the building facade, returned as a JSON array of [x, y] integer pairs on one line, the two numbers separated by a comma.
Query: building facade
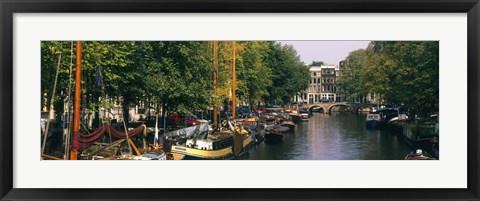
[[322, 87], [328, 85]]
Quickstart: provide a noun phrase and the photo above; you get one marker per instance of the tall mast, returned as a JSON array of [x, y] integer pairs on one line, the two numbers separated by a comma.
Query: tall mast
[[69, 103], [51, 113], [215, 65], [234, 80], [76, 112]]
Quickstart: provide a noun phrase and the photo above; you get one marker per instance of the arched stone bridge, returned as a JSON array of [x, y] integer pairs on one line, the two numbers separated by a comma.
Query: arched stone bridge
[[327, 107]]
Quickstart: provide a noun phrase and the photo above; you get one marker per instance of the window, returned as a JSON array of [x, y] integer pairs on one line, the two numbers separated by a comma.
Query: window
[[314, 74], [315, 81]]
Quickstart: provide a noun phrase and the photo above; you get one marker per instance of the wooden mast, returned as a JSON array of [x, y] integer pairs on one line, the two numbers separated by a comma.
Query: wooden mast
[[215, 65], [76, 113], [234, 80], [51, 113]]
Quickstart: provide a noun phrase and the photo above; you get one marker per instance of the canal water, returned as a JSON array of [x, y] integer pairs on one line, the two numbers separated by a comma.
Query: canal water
[[339, 136]]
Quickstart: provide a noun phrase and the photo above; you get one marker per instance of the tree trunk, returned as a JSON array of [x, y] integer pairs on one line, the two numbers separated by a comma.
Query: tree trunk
[[250, 104], [126, 109], [96, 117]]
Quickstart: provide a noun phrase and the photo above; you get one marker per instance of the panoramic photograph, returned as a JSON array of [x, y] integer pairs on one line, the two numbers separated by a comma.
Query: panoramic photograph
[[239, 100]]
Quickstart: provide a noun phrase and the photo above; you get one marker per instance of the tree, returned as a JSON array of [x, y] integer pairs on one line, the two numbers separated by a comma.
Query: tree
[[413, 70], [109, 71], [253, 73], [402, 73], [178, 75], [174, 75], [289, 74], [50, 50], [352, 84], [316, 63]]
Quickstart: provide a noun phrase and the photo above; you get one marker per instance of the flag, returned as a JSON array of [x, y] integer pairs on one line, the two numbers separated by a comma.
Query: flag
[[99, 78]]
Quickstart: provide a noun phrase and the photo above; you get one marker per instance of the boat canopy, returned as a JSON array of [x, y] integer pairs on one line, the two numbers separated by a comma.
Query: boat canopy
[[190, 131], [373, 117]]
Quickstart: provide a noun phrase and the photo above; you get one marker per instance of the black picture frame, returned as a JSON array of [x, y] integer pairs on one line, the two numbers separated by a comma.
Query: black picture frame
[[9, 7]]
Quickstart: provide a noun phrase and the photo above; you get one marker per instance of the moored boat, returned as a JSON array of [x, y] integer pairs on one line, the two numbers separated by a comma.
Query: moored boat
[[256, 130], [289, 124], [373, 120], [273, 137], [419, 155], [296, 117], [317, 109], [153, 155], [275, 133], [223, 144], [281, 129], [420, 134], [207, 148], [180, 136], [304, 115], [396, 124]]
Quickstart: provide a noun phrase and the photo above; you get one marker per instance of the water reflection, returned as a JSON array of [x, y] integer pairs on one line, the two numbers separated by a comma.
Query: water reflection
[[340, 136]]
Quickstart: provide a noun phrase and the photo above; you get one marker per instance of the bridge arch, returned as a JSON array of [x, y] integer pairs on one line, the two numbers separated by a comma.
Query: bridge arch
[[329, 109], [310, 107], [358, 107]]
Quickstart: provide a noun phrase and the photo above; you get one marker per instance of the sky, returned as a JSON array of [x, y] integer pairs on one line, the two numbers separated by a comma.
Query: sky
[[330, 52]]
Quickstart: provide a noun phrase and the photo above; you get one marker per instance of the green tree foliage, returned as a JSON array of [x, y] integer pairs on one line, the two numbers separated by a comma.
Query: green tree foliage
[[108, 69], [289, 74], [50, 52], [178, 74], [400, 72], [352, 84], [317, 63], [413, 71], [173, 75], [254, 76]]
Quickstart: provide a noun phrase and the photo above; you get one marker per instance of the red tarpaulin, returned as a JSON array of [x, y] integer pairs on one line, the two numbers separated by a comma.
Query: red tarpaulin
[[82, 141]]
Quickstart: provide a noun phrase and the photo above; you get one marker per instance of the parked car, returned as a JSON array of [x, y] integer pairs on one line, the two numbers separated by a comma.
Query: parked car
[[170, 123], [324, 100], [191, 120]]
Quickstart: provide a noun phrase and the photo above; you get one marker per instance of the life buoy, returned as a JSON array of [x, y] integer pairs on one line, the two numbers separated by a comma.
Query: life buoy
[[254, 123]]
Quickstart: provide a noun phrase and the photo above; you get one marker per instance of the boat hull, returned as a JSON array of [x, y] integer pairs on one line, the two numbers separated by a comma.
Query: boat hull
[[226, 153], [296, 118], [419, 140], [304, 116], [290, 126], [373, 124], [221, 154], [273, 138]]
